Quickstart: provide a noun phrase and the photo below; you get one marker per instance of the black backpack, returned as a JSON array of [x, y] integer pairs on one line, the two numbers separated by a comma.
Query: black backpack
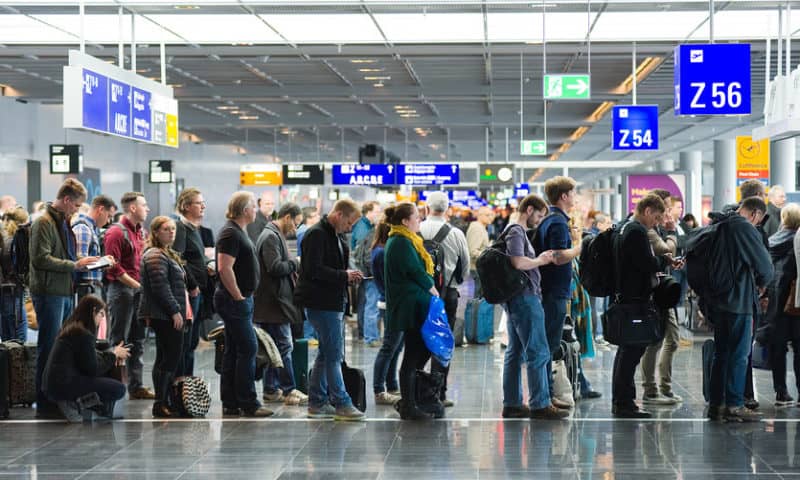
[[16, 260], [362, 255], [709, 269], [597, 264], [434, 248], [500, 281]]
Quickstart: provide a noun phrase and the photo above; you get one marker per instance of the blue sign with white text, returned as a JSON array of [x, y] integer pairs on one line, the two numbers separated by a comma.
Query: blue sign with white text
[[428, 174], [119, 107], [712, 79], [634, 127], [522, 190], [95, 105], [142, 116], [369, 174]]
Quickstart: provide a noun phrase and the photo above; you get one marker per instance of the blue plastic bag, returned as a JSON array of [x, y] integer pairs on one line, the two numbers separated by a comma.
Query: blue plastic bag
[[437, 334]]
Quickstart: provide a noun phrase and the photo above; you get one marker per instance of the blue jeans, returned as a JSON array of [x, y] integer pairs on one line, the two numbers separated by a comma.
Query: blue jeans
[[555, 311], [384, 375], [326, 383], [308, 329], [12, 305], [733, 336], [526, 342], [51, 311], [239, 360], [371, 313], [280, 378]]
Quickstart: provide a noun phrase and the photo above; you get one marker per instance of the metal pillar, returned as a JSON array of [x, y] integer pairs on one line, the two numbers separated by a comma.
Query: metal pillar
[[724, 173]]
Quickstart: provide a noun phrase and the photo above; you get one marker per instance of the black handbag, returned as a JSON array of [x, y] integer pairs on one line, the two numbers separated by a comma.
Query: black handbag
[[632, 324]]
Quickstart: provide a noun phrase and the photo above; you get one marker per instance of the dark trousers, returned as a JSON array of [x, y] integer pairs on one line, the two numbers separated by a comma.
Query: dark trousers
[[777, 358], [361, 302], [623, 389], [450, 307], [123, 303], [239, 360], [191, 338], [415, 357], [168, 357], [108, 389]]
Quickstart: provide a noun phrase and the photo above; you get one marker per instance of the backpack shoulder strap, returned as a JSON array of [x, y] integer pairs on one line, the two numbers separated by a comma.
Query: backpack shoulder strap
[[442, 233]]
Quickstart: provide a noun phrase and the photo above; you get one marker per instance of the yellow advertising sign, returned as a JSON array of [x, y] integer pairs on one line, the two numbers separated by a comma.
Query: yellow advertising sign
[[752, 161], [172, 130], [261, 174]]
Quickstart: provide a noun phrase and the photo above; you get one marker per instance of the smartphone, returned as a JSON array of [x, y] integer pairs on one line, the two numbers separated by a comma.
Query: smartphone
[[679, 259], [128, 346], [367, 278]]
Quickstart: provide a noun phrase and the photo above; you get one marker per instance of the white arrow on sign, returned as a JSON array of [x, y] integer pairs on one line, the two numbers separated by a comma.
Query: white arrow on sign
[[579, 86], [538, 148], [454, 168], [390, 168]]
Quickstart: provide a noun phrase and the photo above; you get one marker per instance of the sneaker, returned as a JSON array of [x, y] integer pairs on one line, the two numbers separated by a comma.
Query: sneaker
[[590, 394], [313, 342], [71, 411], [742, 415], [375, 344], [230, 412], [259, 412], [657, 400], [673, 397], [751, 403], [386, 398], [142, 393], [324, 412], [295, 398], [549, 413], [519, 411], [783, 399], [447, 403], [348, 414], [394, 392], [716, 413], [560, 405], [275, 397], [600, 341], [632, 411]]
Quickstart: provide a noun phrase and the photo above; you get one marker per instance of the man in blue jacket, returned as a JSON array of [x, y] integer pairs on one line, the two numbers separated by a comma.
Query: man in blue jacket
[[731, 312]]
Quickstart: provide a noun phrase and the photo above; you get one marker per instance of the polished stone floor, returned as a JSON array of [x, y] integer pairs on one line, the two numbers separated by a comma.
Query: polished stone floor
[[472, 442]]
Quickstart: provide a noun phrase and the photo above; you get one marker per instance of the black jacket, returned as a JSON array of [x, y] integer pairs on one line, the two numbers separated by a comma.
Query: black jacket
[[637, 265], [254, 229], [274, 297], [323, 269], [74, 356], [773, 222], [777, 328], [190, 245], [163, 287]]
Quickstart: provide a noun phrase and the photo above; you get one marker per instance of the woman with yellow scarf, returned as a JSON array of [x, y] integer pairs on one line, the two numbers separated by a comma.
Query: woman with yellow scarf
[[408, 279]]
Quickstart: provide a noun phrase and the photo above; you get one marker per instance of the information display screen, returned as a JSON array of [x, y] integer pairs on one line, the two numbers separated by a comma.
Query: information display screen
[[160, 171]]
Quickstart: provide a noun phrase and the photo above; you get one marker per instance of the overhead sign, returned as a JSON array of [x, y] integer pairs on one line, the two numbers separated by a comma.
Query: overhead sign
[[428, 174], [369, 174], [453, 195], [261, 174], [639, 186], [533, 147], [294, 174], [634, 127], [66, 159], [104, 98], [521, 190], [712, 79], [752, 161], [160, 171], [496, 174], [567, 87]]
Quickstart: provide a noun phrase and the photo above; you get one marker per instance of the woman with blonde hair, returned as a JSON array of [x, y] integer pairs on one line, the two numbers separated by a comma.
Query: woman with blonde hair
[[163, 306], [13, 317]]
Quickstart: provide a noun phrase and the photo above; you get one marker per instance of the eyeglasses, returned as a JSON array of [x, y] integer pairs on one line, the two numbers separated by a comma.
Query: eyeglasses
[[198, 203]]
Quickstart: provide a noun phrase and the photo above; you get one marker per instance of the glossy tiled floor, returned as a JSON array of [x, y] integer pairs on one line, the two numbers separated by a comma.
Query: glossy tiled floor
[[472, 442]]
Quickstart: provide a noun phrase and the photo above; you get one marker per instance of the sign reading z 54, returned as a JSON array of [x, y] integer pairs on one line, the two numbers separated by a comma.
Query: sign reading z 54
[[635, 127], [712, 79]]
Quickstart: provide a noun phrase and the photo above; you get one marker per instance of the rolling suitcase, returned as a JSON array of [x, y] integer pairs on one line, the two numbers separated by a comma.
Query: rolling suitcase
[[3, 382], [300, 364], [356, 385], [479, 321], [708, 358], [21, 373]]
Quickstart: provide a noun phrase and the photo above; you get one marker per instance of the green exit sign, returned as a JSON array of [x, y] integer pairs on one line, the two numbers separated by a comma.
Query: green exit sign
[[567, 87], [534, 147]]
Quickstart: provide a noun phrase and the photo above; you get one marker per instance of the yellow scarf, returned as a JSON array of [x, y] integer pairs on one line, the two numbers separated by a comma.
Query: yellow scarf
[[415, 240]]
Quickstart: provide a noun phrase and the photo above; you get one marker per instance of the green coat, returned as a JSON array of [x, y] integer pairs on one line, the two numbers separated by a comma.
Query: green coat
[[407, 285], [51, 269]]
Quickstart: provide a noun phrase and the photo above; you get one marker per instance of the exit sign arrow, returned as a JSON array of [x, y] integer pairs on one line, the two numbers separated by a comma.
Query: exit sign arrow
[[533, 147], [567, 87]]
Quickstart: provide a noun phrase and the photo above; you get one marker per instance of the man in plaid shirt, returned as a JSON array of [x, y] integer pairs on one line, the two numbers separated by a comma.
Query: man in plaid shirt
[[87, 235]]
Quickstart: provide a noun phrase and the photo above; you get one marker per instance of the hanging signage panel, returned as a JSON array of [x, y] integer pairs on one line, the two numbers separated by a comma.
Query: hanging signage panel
[[712, 79], [369, 174], [95, 100], [303, 174], [634, 127], [496, 174], [428, 174]]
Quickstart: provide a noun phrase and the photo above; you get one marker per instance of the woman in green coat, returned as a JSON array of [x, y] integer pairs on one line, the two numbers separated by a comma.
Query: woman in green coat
[[408, 278]]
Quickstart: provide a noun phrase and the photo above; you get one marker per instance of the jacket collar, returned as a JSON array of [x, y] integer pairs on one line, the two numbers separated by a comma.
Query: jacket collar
[[54, 213], [327, 225], [130, 226]]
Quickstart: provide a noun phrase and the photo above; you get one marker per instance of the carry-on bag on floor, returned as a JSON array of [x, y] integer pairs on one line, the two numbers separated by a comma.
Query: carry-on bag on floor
[[356, 385], [3, 382], [458, 331], [708, 359], [21, 373], [479, 321], [300, 364], [572, 359]]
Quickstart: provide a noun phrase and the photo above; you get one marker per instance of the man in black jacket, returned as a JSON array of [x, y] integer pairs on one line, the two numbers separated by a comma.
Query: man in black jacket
[[274, 307], [636, 271], [322, 291]]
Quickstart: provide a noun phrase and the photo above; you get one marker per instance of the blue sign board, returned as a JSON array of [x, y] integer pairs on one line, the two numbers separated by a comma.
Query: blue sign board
[[522, 190], [119, 107], [428, 174], [453, 195], [712, 79], [95, 104], [634, 127], [370, 174], [142, 115]]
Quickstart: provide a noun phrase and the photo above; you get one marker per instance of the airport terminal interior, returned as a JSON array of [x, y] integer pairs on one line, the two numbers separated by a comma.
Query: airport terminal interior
[[314, 101]]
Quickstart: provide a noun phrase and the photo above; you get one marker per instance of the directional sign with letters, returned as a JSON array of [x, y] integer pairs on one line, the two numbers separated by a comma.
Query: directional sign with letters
[[533, 147], [369, 174], [634, 127], [428, 174], [567, 87], [712, 79]]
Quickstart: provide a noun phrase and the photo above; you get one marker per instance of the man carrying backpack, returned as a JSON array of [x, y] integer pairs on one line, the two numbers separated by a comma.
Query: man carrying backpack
[[450, 254], [730, 301], [86, 228], [366, 292]]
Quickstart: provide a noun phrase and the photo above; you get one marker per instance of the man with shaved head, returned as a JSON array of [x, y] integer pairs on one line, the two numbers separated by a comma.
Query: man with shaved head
[[477, 241]]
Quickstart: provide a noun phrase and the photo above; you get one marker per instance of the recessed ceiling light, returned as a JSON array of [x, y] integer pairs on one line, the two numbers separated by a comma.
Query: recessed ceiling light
[[377, 85], [374, 78], [362, 60], [248, 117], [371, 70], [186, 7], [227, 107]]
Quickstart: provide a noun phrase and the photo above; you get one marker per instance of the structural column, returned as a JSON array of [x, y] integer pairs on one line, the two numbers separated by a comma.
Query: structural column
[[616, 198], [782, 169], [692, 163], [605, 198], [666, 165], [724, 173]]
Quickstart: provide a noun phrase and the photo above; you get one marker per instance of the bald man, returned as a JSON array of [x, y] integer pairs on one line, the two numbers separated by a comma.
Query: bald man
[[478, 241], [7, 202], [265, 214]]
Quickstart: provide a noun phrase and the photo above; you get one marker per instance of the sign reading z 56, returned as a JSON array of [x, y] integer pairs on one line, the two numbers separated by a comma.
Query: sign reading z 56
[[712, 79]]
